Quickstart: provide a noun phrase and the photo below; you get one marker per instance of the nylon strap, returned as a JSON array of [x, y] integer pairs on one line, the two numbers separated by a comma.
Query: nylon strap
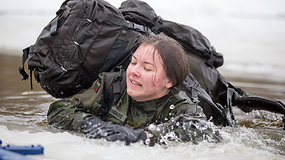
[[157, 25], [61, 12], [119, 22], [25, 56], [230, 93], [117, 88]]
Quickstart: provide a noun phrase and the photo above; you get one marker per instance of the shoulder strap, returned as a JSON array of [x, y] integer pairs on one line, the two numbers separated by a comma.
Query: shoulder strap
[[115, 84], [115, 88], [119, 86]]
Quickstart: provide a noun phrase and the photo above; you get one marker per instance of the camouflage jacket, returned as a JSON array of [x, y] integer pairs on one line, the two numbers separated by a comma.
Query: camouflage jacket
[[99, 100]]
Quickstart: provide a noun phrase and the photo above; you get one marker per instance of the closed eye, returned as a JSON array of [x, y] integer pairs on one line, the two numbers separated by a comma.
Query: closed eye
[[133, 60], [148, 67]]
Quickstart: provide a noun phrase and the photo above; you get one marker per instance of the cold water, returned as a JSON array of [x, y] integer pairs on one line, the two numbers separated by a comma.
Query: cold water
[[249, 33]]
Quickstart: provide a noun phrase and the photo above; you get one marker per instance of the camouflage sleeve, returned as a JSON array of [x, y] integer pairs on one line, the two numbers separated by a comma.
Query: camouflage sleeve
[[69, 113], [65, 114]]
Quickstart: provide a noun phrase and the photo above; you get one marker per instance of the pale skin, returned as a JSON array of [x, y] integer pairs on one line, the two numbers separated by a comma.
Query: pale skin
[[146, 77]]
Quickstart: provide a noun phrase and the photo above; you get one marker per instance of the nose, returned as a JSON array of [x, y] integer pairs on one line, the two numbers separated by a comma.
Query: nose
[[134, 70]]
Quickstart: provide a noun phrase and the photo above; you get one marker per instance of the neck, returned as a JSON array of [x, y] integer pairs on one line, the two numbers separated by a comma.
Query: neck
[[152, 100]]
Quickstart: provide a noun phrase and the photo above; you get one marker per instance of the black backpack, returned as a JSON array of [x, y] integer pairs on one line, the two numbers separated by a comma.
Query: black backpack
[[85, 38], [88, 37]]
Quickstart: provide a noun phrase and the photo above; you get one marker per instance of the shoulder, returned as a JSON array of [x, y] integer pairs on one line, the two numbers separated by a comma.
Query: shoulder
[[177, 96], [180, 103]]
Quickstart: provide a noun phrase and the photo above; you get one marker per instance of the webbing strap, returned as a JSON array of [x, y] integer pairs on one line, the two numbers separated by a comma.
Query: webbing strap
[[22, 71], [157, 25], [116, 90], [194, 94], [139, 27], [61, 12], [117, 87], [25, 56], [53, 28], [120, 22], [230, 93], [192, 87]]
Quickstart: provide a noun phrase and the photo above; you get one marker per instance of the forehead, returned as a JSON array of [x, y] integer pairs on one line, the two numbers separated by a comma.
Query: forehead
[[147, 53]]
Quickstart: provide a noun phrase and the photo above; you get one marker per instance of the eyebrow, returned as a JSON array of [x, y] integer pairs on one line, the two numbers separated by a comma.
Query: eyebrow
[[144, 61]]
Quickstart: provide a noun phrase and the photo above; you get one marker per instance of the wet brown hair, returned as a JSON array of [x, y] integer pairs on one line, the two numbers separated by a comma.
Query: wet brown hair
[[174, 58]]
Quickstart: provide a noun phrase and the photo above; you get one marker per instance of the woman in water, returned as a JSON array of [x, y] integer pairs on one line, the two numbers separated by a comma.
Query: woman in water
[[140, 104]]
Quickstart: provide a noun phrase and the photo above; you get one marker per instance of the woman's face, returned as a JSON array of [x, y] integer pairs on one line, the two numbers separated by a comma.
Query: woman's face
[[146, 78]]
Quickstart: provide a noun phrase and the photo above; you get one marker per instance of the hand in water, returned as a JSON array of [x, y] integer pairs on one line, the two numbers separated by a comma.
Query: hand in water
[[93, 127]]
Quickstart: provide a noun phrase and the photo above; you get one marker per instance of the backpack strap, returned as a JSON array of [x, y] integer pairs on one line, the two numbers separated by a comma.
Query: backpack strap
[[115, 85], [157, 25], [139, 27], [230, 94], [115, 88], [25, 56], [118, 87], [25, 76], [63, 11], [119, 22], [192, 87]]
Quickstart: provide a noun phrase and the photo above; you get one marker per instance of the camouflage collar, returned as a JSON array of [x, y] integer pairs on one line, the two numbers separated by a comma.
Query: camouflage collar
[[151, 105]]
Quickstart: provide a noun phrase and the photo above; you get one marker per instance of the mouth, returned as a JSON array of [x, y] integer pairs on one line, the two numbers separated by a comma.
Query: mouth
[[136, 83]]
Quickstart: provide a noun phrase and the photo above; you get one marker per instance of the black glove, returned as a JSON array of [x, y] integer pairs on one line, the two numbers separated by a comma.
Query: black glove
[[93, 127], [122, 133]]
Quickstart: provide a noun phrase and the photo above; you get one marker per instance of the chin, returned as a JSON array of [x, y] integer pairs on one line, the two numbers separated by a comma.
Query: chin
[[129, 91], [132, 93]]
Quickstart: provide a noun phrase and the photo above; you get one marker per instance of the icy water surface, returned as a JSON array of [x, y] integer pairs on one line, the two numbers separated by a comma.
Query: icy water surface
[[23, 122]]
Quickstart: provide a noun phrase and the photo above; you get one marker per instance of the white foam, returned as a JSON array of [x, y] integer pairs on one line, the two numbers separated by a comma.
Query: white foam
[[242, 144]]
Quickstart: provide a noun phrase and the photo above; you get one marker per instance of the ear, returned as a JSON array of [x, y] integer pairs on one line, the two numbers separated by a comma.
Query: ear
[[169, 84]]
